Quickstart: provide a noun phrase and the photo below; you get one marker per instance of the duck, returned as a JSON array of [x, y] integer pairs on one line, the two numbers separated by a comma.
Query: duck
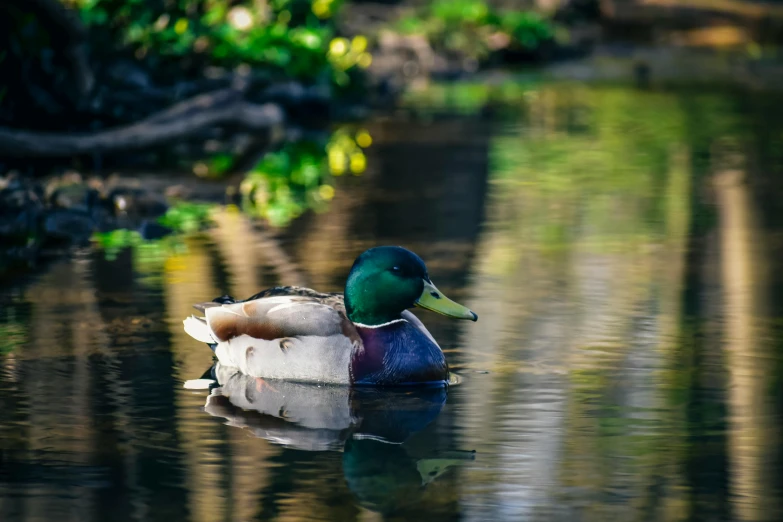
[[366, 336]]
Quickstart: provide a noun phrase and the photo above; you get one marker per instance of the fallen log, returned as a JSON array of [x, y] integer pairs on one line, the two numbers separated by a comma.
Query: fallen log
[[177, 122]]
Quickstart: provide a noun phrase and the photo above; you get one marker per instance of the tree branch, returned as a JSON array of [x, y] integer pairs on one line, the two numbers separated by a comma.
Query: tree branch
[[177, 122]]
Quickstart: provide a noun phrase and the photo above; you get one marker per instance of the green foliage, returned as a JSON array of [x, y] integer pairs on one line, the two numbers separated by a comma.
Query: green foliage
[[291, 37], [298, 177], [474, 29], [282, 186], [220, 164], [149, 256], [527, 30], [12, 335], [470, 98], [182, 218], [186, 217], [285, 183], [14, 330]]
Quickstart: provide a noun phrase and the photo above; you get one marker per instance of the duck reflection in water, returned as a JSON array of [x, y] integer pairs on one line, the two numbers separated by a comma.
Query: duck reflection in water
[[369, 425]]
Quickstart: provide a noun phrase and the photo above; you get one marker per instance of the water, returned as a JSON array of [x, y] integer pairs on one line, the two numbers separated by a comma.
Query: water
[[621, 248]]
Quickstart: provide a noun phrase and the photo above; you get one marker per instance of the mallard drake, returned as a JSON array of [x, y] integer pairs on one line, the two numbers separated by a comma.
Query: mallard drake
[[365, 336]]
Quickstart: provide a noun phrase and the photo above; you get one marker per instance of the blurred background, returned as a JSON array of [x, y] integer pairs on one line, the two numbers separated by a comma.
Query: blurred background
[[600, 180]]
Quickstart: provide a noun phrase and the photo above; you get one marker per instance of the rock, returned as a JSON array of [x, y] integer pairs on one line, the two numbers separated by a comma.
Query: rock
[[70, 227], [21, 210], [72, 212], [137, 203], [129, 74], [153, 230], [75, 196]]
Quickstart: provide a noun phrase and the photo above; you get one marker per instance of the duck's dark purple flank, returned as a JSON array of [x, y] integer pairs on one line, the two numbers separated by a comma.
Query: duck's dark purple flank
[[397, 354]]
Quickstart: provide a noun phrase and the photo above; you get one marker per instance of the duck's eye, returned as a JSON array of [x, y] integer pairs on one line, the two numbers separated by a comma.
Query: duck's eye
[[396, 269]]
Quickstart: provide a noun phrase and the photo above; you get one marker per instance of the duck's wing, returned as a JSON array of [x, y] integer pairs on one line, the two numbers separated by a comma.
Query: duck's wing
[[279, 317], [277, 291], [297, 290], [294, 337], [415, 321]]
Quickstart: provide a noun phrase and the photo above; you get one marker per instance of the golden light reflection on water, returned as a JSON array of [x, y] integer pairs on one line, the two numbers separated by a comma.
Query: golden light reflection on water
[[186, 278], [624, 366], [754, 431]]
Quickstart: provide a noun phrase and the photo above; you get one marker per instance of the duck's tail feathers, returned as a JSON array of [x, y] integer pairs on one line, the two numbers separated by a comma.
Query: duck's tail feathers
[[218, 301], [201, 307], [197, 328]]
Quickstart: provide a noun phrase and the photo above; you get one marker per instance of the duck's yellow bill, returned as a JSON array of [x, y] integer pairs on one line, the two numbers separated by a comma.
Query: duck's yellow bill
[[433, 299]]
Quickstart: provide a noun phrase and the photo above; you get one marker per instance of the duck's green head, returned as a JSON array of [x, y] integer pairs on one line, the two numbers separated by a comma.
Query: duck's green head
[[386, 280]]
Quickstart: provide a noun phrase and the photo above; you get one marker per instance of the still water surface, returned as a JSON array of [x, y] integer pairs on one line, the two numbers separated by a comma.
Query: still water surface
[[621, 247]]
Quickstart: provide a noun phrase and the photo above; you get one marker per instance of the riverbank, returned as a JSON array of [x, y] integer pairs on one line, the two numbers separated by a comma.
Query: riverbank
[[276, 149]]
